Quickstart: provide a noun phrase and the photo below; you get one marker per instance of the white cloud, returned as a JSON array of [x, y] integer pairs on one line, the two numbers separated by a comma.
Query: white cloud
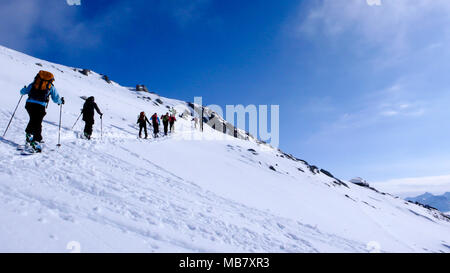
[[373, 2], [73, 2], [22, 25], [404, 110], [391, 25], [389, 113], [411, 187], [185, 11], [66, 26], [374, 108], [61, 23], [403, 45]]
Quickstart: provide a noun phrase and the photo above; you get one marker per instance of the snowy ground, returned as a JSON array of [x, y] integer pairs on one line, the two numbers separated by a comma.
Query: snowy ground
[[190, 192]]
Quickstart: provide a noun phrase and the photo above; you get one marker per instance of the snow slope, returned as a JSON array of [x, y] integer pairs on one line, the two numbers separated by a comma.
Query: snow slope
[[190, 192]]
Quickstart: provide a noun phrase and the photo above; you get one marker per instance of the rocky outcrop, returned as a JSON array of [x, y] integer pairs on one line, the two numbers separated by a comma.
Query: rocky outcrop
[[360, 182], [85, 72], [106, 79], [141, 88]]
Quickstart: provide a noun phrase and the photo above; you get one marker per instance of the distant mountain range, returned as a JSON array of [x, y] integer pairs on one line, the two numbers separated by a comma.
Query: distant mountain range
[[440, 202]]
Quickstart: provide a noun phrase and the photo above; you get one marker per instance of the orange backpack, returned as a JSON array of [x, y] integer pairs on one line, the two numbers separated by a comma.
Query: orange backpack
[[43, 81], [41, 86]]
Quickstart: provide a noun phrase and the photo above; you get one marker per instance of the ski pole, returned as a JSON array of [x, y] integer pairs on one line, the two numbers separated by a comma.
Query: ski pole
[[12, 116], [101, 127], [76, 121], [59, 130]]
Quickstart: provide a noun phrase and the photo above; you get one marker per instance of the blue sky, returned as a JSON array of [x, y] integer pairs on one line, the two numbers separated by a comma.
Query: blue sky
[[363, 89]]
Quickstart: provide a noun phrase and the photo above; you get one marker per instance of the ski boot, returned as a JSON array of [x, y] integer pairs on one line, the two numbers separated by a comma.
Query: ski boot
[[36, 146], [28, 138]]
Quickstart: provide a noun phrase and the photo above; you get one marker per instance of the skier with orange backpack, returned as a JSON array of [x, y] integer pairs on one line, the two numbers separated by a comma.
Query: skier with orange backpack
[[39, 93]]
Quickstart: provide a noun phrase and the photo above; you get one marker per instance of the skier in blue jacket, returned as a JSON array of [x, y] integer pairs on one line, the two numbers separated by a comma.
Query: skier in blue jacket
[[156, 122], [38, 97]]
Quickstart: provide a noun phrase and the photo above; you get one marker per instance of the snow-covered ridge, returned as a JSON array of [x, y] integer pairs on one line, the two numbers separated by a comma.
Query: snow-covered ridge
[[190, 192]]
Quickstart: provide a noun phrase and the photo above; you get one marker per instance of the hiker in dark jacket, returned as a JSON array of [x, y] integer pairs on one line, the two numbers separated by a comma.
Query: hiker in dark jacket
[[165, 120], [88, 115], [155, 122], [142, 121], [172, 120]]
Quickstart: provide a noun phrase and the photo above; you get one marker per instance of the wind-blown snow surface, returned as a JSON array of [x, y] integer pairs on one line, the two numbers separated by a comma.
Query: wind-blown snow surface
[[176, 194]]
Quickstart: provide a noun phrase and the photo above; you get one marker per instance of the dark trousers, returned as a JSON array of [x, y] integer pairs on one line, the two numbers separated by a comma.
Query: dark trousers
[[37, 114], [166, 126], [88, 127], [171, 126], [143, 126], [155, 129]]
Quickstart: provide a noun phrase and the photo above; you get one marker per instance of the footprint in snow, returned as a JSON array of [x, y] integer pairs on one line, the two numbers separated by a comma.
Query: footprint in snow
[[42, 221]]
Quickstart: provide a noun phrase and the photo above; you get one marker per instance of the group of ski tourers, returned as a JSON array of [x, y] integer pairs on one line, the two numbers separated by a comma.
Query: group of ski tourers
[[167, 120], [42, 89]]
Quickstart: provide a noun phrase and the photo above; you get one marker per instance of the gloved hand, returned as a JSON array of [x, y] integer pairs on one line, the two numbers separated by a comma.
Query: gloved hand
[[101, 116], [62, 100]]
